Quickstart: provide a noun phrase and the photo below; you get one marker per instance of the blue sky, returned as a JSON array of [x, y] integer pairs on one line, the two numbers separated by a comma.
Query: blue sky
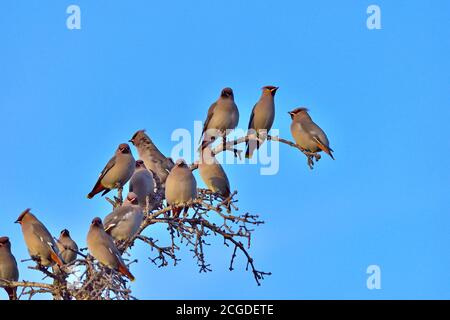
[[69, 97]]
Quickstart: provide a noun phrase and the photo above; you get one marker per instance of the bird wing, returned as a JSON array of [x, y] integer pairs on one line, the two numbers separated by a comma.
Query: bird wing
[[208, 117], [41, 231], [108, 167], [169, 164], [317, 134], [114, 218], [250, 123]]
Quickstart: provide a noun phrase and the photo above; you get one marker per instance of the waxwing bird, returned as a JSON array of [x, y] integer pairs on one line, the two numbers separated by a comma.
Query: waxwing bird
[[213, 174], [8, 267], [117, 172], [307, 134], [124, 221], [181, 187], [102, 248], [261, 119], [67, 247], [153, 159], [223, 116], [41, 246], [142, 184]]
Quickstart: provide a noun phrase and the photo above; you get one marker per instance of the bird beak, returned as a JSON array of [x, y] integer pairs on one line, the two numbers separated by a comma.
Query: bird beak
[[131, 140], [17, 221], [274, 89]]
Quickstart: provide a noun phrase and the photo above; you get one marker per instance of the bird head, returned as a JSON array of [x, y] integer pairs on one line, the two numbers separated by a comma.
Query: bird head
[[124, 148], [22, 216], [227, 93], [4, 242], [65, 233], [140, 164], [135, 138], [269, 90], [132, 198], [97, 222], [298, 111], [181, 163]]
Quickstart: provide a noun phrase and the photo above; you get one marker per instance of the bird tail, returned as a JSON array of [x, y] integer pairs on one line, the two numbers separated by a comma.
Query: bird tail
[[97, 189], [325, 148], [55, 258], [176, 212], [12, 293], [124, 271], [254, 144], [251, 147]]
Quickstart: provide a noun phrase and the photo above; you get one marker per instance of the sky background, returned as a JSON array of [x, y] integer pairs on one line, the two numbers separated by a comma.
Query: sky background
[[69, 97]]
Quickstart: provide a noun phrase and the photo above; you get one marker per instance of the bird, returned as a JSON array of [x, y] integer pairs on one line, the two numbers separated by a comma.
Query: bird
[[124, 221], [142, 184], [222, 117], [41, 246], [261, 119], [8, 267], [181, 187], [153, 159], [212, 174], [116, 173], [307, 134], [67, 247], [101, 246]]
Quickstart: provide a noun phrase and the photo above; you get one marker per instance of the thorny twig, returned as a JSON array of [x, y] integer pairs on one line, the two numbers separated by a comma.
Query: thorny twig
[[231, 146], [209, 215]]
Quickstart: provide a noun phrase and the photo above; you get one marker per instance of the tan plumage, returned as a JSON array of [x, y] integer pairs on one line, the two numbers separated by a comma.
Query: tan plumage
[[261, 119], [181, 186], [41, 246], [8, 266], [102, 248], [67, 247], [124, 221], [141, 183], [307, 134], [116, 173], [223, 116], [212, 173], [153, 159]]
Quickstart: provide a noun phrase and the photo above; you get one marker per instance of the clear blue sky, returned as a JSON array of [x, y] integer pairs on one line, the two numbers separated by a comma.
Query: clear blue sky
[[68, 98]]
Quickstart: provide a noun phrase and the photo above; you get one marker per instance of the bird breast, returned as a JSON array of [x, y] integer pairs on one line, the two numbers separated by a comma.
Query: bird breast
[[180, 186]]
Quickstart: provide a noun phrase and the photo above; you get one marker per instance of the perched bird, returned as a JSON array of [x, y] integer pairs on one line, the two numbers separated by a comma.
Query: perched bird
[[102, 248], [213, 174], [153, 159], [181, 187], [141, 183], [223, 116], [261, 119], [124, 221], [8, 266], [307, 134], [117, 172], [67, 247], [41, 246]]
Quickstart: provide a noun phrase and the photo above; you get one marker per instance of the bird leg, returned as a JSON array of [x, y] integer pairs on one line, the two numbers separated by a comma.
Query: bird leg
[[119, 198], [224, 140], [185, 212], [311, 156]]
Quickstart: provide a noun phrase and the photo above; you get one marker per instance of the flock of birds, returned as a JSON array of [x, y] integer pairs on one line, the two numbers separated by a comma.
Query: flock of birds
[[177, 180]]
